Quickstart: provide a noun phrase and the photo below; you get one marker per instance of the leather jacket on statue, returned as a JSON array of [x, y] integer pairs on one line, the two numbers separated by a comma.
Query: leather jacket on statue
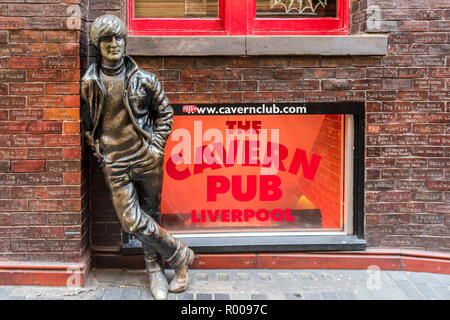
[[144, 98]]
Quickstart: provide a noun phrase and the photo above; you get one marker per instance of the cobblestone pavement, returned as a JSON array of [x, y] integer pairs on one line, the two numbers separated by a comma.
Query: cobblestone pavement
[[251, 284]]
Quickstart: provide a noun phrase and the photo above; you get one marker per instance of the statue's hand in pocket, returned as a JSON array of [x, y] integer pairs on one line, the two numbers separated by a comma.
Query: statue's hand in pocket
[[157, 154]]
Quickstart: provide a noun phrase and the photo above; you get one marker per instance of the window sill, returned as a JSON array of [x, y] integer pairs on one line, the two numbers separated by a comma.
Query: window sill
[[257, 45], [262, 244]]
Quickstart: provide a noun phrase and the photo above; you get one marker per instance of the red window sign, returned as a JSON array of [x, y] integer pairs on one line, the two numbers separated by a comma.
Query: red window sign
[[254, 167], [238, 17]]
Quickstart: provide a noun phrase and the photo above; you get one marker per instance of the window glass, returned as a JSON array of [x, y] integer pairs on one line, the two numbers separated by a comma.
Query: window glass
[[295, 8], [239, 185], [176, 8]]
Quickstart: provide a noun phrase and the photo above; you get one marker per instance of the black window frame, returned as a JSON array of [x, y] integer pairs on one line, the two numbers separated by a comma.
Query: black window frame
[[290, 243]]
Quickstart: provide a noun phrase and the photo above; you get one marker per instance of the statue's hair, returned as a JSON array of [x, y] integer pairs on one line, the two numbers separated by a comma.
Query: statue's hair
[[107, 25]]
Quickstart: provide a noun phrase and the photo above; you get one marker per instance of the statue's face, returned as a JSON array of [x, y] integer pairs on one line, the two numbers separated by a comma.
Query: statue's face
[[112, 49]]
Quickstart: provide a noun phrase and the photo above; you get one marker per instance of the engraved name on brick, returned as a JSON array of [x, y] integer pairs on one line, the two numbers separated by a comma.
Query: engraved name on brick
[[27, 141], [12, 102], [427, 196], [10, 75], [380, 185], [26, 115], [395, 151], [11, 23], [45, 178], [411, 185], [45, 153], [410, 207], [62, 114], [44, 101]]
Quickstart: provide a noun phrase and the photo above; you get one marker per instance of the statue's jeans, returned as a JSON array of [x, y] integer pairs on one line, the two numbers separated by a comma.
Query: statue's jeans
[[136, 184]]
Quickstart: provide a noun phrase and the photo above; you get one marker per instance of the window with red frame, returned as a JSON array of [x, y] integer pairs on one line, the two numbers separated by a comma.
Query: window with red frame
[[238, 17]]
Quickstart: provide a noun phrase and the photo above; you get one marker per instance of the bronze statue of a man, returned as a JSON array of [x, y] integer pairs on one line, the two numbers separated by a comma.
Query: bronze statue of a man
[[126, 121]]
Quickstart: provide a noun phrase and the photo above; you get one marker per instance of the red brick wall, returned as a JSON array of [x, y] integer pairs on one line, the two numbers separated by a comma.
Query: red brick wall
[[42, 195], [407, 143], [44, 178], [407, 103]]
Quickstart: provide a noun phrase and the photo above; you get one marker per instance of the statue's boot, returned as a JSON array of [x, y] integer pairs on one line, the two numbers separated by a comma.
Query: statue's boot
[[155, 269], [181, 280], [177, 254]]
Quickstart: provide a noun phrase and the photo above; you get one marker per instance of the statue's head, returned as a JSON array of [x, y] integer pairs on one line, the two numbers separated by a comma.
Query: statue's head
[[109, 35]]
